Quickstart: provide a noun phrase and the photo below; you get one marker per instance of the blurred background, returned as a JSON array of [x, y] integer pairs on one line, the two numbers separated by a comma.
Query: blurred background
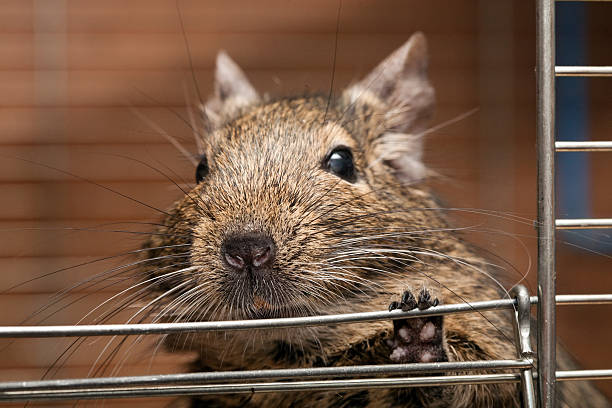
[[86, 86]]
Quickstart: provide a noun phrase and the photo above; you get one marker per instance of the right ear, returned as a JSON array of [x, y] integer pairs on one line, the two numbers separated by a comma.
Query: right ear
[[400, 83], [399, 90], [233, 91]]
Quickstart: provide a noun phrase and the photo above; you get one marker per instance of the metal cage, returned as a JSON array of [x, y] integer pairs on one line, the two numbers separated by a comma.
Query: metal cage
[[310, 379]]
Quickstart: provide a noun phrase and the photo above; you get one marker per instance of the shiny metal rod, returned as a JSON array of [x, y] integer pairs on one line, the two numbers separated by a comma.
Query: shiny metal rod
[[190, 327], [328, 385], [256, 375], [572, 300], [584, 223], [545, 82], [588, 146], [253, 388], [164, 328], [583, 71], [584, 375]]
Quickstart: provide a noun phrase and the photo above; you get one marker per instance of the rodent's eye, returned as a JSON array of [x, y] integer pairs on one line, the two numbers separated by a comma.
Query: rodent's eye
[[340, 162], [202, 169]]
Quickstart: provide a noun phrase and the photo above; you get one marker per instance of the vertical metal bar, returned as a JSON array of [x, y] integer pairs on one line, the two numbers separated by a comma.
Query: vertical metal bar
[[522, 334], [545, 71]]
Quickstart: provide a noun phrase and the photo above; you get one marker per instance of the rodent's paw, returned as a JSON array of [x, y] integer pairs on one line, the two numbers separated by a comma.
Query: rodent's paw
[[417, 340]]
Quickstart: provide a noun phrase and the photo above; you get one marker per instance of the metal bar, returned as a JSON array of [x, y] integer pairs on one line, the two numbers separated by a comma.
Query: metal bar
[[583, 71], [329, 385], [584, 375], [572, 300], [164, 328], [255, 375], [545, 80], [253, 388], [522, 332], [589, 146], [583, 223]]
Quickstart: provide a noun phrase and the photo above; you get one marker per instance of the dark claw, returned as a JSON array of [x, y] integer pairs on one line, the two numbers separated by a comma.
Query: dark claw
[[408, 301], [425, 300]]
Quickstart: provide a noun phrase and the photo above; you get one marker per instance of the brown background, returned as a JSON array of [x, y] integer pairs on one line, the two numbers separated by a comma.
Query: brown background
[[73, 72]]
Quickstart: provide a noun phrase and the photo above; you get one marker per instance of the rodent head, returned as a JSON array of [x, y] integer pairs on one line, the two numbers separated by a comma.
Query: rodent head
[[303, 202]]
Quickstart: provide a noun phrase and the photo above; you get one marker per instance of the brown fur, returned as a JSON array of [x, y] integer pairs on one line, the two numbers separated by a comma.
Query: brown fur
[[382, 234]]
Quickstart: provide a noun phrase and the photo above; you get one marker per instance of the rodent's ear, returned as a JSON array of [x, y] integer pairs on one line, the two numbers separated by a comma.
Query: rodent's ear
[[233, 91], [398, 89]]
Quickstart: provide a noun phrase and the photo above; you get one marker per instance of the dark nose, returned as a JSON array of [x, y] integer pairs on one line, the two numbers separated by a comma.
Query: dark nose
[[248, 252]]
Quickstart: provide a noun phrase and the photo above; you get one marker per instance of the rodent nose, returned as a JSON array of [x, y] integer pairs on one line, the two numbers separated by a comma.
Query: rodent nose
[[248, 252]]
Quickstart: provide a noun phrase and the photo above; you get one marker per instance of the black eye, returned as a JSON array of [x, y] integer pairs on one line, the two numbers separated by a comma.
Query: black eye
[[340, 162], [202, 169]]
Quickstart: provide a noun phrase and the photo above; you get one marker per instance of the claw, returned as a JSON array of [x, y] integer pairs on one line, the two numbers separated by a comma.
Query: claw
[[425, 301], [393, 306], [408, 301]]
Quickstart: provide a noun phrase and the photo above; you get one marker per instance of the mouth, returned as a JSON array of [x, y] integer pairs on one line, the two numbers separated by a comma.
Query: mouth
[[260, 304], [259, 297], [263, 309]]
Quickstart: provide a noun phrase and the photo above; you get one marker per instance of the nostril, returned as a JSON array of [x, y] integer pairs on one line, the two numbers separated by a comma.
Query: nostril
[[262, 256], [248, 252], [234, 261]]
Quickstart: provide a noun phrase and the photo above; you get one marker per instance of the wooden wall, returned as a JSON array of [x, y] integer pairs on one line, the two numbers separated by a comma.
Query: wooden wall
[[73, 74]]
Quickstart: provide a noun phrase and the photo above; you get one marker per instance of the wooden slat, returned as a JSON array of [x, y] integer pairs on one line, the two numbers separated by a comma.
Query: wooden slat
[[254, 51], [86, 354], [269, 15], [50, 239], [70, 200], [18, 270], [119, 162], [75, 371], [16, 16], [93, 125], [37, 309], [147, 51]]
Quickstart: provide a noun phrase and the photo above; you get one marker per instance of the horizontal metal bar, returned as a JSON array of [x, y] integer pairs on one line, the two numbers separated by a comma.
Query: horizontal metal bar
[[210, 377], [254, 388], [164, 328], [583, 223], [189, 327], [573, 300], [583, 71], [588, 146], [584, 375]]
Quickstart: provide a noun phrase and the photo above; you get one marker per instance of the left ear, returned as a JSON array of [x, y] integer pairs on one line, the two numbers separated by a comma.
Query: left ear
[[233, 91], [399, 89]]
